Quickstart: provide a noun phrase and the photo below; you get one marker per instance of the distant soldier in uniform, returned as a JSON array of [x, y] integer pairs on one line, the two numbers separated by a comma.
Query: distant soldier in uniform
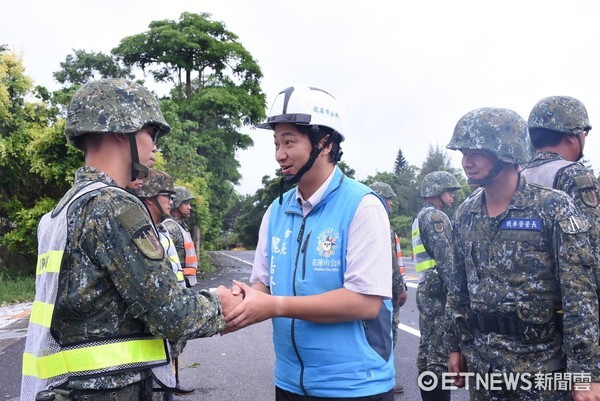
[[521, 296], [133, 186], [181, 210], [558, 126], [156, 192], [106, 296], [399, 288], [432, 252]]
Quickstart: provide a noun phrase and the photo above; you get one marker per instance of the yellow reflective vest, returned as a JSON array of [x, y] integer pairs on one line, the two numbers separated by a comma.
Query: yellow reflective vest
[[46, 363]]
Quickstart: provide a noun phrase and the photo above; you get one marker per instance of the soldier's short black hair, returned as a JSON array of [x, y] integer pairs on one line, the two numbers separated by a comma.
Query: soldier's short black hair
[[542, 137]]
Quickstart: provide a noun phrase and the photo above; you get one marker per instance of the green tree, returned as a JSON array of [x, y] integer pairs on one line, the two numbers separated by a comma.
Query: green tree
[[35, 164], [400, 164], [216, 92], [437, 159], [83, 67]]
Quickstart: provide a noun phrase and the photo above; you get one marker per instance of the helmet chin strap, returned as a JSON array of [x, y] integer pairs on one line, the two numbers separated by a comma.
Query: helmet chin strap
[[482, 182], [293, 179], [580, 148], [163, 215], [138, 170]]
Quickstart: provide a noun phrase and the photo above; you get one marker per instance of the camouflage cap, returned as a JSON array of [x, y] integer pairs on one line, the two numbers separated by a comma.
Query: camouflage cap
[[559, 113], [499, 131], [156, 182], [182, 194], [113, 106], [435, 183], [382, 189]]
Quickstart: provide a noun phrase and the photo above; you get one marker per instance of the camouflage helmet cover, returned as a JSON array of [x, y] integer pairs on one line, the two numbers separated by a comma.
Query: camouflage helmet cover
[[499, 131], [436, 183], [382, 189], [559, 113], [113, 106], [156, 182], [182, 194]]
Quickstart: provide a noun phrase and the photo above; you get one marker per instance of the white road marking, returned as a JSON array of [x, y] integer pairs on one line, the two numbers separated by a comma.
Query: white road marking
[[238, 259], [409, 330]]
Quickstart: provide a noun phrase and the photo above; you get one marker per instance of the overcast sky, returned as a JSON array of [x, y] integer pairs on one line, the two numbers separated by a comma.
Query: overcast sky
[[403, 71]]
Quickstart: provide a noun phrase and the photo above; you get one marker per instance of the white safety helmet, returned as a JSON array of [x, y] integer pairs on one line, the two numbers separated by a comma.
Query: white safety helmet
[[305, 105]]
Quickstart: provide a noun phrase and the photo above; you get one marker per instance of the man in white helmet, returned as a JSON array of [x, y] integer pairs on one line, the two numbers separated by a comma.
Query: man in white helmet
[[322, 267]]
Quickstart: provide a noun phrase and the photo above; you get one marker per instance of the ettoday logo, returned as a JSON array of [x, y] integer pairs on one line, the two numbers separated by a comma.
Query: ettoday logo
[[495, 381]]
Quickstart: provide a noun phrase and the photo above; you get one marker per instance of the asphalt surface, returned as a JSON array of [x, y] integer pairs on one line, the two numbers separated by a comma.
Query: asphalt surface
[[236, 366]]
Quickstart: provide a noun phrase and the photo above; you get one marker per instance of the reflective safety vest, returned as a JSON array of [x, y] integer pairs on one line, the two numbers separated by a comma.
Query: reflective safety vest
[[46, 363], [190, 264], [399, 256], [422, 259], [169, 246], [545, 174]]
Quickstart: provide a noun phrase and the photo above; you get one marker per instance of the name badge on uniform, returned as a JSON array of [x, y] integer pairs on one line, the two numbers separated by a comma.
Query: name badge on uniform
[[521, 224]]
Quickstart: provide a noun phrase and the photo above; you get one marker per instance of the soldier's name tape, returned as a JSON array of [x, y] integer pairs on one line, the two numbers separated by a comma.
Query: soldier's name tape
[[497, 381]]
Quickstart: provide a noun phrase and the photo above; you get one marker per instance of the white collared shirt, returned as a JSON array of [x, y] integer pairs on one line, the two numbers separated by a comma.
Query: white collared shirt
[[368, 256]]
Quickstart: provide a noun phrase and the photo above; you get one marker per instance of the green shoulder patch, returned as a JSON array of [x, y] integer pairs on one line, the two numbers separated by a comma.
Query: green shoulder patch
[[587, 190], [138, 224], [147, 243]]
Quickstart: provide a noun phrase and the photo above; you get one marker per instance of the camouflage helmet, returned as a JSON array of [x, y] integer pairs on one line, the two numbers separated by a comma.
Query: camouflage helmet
[[499, 131], [383, 190], [113, 106], [436, 183], [559, 113], [182, 194], [155, 183]]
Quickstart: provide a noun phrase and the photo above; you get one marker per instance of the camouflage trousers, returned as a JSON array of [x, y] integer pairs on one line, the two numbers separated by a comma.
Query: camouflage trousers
[[432, 355], [395, 322]]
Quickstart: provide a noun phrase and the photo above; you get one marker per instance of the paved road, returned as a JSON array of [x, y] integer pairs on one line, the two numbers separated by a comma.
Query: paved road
[[237, 366]]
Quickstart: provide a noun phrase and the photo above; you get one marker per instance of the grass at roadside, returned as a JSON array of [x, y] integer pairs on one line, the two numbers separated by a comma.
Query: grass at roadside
[[15, 289]]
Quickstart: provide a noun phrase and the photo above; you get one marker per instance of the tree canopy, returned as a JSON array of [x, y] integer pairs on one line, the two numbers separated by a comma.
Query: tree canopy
[[222, 95]]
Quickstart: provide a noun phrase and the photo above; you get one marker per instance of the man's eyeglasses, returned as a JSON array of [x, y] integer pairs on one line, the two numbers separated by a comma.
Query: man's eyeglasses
[[154, 133], [167, 194]]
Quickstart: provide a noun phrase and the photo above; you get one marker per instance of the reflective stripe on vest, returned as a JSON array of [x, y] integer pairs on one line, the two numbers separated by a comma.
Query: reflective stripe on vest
[[399, 255], [190, 264], [167, 243], [422, 259], [47, 363]]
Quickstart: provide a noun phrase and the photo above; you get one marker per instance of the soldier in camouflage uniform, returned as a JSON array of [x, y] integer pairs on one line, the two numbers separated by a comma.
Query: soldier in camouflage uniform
[[399, 288], [106, 296], [158, 192], [432, 252], [558, 126], [181, 210], [521, 296]]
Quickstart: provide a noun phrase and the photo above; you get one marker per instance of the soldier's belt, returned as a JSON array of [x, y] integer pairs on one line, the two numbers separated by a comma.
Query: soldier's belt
[[507, 323]]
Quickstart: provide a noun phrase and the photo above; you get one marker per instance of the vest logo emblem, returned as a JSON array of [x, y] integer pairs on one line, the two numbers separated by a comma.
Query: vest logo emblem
[[327, 242]]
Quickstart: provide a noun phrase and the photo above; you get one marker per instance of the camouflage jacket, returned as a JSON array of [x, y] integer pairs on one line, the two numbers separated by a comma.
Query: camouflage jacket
[[436, 234], [115, 279], [535, 261], [582, 186]]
